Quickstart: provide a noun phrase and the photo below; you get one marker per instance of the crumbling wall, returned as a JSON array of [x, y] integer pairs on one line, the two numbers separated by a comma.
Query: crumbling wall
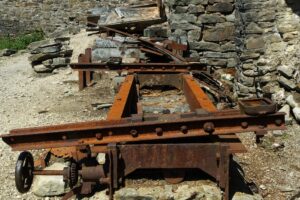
[[51, 16]]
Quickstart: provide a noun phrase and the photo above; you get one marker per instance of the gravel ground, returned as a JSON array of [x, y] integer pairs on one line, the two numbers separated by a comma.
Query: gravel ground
[[28, 99]]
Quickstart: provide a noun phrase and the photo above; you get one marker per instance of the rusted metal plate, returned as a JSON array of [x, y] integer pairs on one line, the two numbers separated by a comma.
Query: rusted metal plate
[[258, 106], [126, 130], [210, 158]]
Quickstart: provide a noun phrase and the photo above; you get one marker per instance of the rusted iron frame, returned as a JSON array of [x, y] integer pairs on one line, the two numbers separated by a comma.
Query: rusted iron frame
[[140, 67], [213, 159], [126, 100], [195, 96], [85, 77], [126, 130]]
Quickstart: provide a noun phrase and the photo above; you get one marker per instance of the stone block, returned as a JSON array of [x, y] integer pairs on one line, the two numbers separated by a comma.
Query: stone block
[[287, 83], [196, 9], [204, 46], [222, 7], [286, 71], [255, 43], [212, 18], [194, 35], [221, 32]]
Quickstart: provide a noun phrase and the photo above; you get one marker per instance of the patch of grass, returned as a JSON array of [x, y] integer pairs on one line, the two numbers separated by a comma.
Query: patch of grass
[[21, 41]]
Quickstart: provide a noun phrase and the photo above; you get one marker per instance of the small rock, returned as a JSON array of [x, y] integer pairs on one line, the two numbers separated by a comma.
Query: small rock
[[277, 133], [50, 185], [243, 196], [286, 83], [285, 189], [296, 112], [287, 110], [7, 52], [293, 100], [277, 146], [286, 71], [263, 187], [101, 158], [42, 69]]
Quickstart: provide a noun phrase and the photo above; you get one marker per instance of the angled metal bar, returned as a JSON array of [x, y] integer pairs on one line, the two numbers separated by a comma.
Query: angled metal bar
[[195, 96], [126, 100]]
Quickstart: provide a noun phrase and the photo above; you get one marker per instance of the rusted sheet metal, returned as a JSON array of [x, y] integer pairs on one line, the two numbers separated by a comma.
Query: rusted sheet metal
[[140, 67], [126, 130], [258, 106], [171, 156], [195, 96], [126, 100]]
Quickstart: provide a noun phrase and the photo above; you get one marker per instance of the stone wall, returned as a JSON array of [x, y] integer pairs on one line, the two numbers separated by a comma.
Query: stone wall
[[268, 45], [51, 16], [207, 26]]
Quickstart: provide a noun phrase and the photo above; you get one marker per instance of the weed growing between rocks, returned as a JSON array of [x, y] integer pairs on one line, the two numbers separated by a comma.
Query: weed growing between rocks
[[21, 41]]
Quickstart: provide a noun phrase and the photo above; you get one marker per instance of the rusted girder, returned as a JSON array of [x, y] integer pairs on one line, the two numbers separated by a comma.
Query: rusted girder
[[140, 67], [108, 131]]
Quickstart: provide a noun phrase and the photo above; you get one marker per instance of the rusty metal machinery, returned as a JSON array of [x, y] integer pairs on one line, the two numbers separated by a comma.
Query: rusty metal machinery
[[133, 140]]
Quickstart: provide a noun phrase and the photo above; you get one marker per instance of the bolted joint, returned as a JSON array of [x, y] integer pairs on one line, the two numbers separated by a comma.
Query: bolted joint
[[209, 127]]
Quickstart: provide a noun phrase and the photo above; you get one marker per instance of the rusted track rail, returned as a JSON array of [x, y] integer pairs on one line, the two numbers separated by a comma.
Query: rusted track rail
[[128, 130]]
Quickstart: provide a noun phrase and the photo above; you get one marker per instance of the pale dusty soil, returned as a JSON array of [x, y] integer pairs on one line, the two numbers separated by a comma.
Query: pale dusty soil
[[28, 99], [24, 94]]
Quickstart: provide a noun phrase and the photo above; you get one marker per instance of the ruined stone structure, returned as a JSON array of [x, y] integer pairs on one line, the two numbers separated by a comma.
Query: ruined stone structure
[[17, 16], [257, 38]]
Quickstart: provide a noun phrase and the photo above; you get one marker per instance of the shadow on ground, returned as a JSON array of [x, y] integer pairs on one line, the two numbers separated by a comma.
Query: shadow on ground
[[295, 5]]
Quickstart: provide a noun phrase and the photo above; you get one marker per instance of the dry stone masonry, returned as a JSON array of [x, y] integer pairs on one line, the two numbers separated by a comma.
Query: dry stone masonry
[[259, 39], [51, 16], [207, 26], [268, 46], [48, 55]]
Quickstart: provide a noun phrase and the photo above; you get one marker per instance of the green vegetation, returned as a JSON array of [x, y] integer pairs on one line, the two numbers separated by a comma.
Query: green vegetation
[[21, 41]]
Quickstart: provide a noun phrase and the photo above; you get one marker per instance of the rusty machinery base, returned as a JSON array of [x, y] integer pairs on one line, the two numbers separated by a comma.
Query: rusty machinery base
[[202, 139]]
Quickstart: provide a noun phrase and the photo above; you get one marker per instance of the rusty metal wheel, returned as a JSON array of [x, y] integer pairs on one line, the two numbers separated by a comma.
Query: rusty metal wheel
[[24, 172], [174, 176]]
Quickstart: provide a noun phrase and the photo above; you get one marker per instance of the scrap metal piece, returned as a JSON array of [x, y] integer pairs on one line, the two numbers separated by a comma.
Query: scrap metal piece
[[260, 106], [175, 57]]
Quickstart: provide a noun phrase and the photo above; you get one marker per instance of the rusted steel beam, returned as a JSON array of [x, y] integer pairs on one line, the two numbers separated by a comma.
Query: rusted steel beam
[[195, 96], [140, 67], [127, 130], [126, 100], [85, 77]]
